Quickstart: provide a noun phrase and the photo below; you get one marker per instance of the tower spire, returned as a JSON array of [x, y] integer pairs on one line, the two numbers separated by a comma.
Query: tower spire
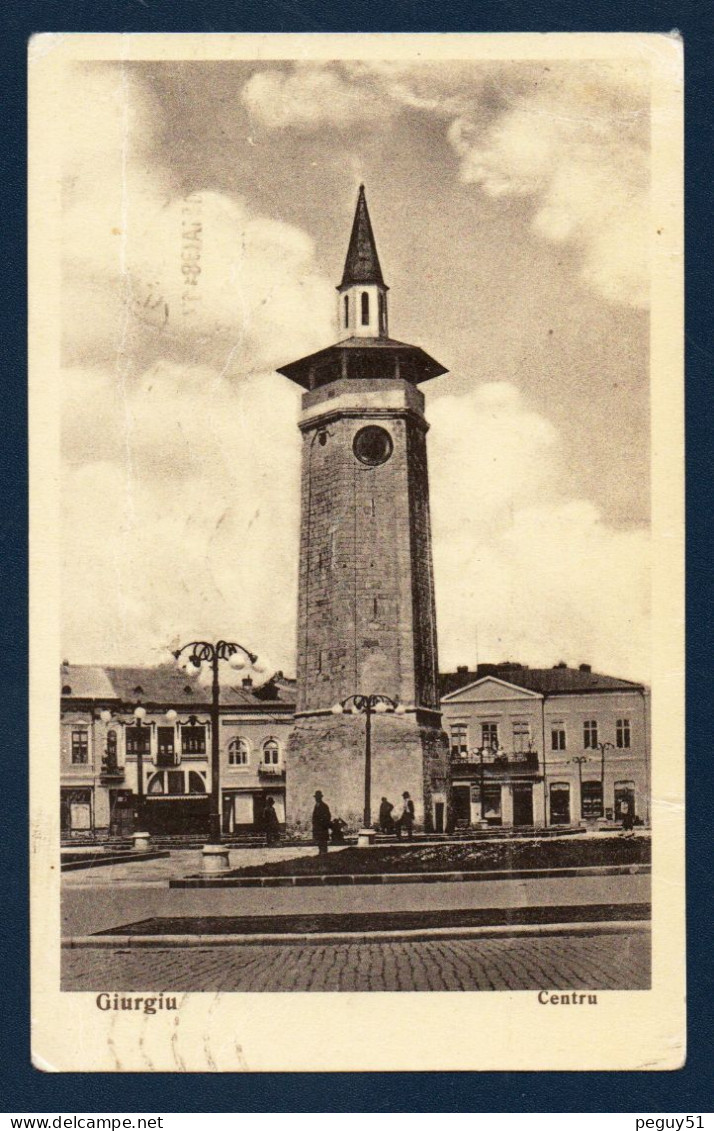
[[362, 262]]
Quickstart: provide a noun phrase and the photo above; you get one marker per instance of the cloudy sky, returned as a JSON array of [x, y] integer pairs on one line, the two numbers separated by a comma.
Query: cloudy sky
[[510, 208]]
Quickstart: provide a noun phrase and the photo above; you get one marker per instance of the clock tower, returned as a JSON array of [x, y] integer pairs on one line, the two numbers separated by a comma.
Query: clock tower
[[366, 615]]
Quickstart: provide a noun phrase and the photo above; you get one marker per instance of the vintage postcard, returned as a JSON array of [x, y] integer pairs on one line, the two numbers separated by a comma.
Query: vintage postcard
[[357, 727]]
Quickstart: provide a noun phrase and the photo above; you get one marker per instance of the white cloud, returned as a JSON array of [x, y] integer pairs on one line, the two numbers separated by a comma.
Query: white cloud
[[190, 526], [181, 448], [524, 571], [572, 140], [579, 150], [150, 272]]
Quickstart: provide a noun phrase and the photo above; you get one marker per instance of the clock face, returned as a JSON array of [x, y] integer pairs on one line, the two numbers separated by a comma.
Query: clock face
[[372, 445]]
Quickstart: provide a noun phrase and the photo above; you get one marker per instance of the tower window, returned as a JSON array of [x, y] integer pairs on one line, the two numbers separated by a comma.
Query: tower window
[[365, 308], [347, 310], [382, 305]]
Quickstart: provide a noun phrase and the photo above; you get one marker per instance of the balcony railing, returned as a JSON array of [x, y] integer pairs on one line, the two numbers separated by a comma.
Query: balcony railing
[[497, 763], [266, 771], [110, 773]]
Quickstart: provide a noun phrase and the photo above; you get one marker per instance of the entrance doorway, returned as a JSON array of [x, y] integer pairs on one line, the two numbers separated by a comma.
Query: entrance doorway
[[121, 812], [439, 816], [523, 803], [76, 812], [461, 801], [492, 804], [559, 803]]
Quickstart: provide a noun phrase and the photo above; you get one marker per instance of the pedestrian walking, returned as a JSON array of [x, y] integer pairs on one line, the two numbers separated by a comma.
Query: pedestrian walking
[[271, 824], [321, 821], [386, 821], [406, 820]]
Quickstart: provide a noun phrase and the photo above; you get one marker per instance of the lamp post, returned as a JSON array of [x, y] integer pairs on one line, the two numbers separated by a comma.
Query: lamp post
[[480, 751], [579, 759], [139, 716], [368, 704], [602, 747], [196, 653]]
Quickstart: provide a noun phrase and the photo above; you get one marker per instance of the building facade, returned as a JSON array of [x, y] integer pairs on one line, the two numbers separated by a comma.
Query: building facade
[[528, 748], [135, 752], [541, 747], [366, 610]]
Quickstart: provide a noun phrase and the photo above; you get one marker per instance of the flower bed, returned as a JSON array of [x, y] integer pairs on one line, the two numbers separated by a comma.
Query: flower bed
[[459, 857]]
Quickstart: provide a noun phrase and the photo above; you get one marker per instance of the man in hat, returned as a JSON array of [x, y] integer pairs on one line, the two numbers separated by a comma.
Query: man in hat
[[321, 821]]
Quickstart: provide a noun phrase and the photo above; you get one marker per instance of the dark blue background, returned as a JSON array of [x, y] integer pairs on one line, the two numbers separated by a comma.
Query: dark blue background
[[26, 1090]]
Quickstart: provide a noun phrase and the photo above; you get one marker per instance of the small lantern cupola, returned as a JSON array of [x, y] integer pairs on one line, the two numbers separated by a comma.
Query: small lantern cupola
[[362, 302]]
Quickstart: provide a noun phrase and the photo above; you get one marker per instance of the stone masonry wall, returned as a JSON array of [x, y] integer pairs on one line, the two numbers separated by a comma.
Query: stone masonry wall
[[327, 753]]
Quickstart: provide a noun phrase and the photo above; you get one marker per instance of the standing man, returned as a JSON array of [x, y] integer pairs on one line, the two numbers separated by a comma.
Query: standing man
[[386, 822], [321, 821], [271, 823], [406, 821]]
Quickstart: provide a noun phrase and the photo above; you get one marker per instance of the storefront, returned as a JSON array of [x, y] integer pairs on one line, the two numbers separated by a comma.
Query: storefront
[[243, 809], [77, 811]]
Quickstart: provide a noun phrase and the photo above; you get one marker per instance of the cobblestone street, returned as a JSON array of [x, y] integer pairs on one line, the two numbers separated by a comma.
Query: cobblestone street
[[602, 961]]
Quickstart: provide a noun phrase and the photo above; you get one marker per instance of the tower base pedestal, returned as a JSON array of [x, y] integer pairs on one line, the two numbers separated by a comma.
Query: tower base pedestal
[[327, 753]]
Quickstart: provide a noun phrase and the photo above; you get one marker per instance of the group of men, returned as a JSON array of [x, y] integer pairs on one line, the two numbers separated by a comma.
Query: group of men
[[323, 824]]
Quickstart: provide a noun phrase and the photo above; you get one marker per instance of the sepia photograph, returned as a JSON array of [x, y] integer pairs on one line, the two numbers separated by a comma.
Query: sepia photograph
[[357, 460]]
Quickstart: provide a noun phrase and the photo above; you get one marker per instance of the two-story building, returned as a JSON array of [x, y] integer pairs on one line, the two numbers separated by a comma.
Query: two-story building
[[135, 751], [545, 746]]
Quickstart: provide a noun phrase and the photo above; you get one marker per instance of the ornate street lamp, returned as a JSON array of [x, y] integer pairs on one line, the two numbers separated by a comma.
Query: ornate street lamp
[[139, 715], [480, 751], [368, 705], [196, 653]]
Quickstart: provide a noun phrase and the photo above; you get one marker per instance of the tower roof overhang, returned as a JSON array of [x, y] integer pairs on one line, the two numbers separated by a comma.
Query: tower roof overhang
[[360, 357]]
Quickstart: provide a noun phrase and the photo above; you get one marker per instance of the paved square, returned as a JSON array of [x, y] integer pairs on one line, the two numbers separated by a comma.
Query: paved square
[[618, 961]]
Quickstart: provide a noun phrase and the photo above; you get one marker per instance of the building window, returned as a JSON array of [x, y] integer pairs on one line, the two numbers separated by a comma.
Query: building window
[[166, 752], [193, 740], [590, 734], [238, 752], [156, 784], [459, 740], [112, 745], [557, 736], [365, 308], [80, 747], [176, 783], [271, 752], [138, 740], [382, 314], [196, 784], [521, 737], [622, 734], [347, 310], [489, 735], [591, 799]]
